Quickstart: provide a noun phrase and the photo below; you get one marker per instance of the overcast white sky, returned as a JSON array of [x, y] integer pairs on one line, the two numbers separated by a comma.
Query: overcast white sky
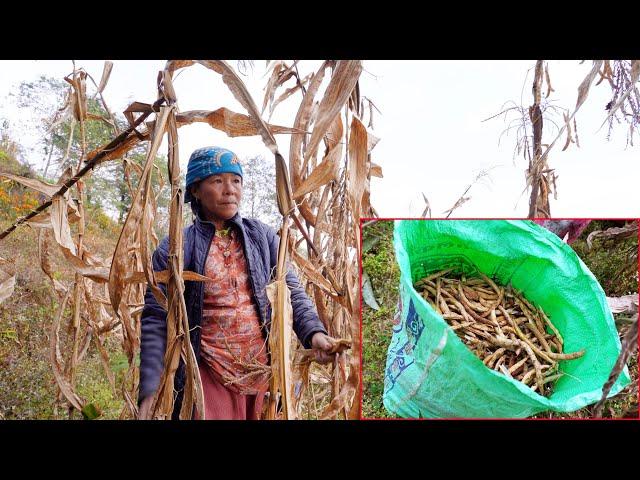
[[433, 140]]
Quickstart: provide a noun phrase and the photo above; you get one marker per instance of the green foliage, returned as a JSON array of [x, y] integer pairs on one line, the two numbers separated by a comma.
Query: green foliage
[[379, 263], [612, 262]]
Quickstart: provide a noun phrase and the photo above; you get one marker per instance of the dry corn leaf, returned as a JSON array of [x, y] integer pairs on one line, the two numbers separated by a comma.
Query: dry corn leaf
[[322, 174], [49, 190], [56, 358], [274, 81], [121, 260], [357, 172], [280, 342], [307, 212], [287, 93], [312, 273], [163, 277], [39, 186], [372, 141], [106, 73], [548, 79], [193, 393], [334, 134], [166, 86], [7, 280], [79, 96], [44, 235], [568, 126], [283, 189], [94, 319], [88, 265], [232, 123], [240, 92], [376, 170], [583, 89], [343, 80], [302, 122]]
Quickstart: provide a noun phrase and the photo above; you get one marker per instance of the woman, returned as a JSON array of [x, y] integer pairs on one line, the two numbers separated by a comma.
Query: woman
[[229, 316]]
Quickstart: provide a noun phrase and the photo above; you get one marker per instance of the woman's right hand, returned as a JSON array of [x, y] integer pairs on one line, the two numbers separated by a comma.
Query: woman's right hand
[[145, 407]]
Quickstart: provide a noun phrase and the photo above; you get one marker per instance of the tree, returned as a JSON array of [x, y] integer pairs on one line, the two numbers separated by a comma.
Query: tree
[[62, 142], [259, 192]]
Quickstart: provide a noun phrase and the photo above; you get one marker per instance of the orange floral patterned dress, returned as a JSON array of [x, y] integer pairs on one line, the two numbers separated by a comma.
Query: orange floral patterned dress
[[233, 345]]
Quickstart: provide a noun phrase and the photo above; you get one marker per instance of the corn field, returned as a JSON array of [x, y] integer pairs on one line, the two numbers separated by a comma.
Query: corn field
[[322, 192]]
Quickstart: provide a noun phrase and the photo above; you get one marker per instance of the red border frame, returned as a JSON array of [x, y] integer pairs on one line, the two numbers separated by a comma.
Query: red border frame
[[368, 219]]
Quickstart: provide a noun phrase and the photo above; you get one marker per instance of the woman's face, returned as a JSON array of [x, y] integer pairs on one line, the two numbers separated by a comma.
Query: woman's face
[[219, 195]]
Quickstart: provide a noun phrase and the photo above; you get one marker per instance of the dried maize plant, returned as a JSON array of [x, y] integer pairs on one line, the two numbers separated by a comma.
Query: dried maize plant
[[540, 179], [88, 319], [93, 286], [499, 325], [330, 185], [622, 76]]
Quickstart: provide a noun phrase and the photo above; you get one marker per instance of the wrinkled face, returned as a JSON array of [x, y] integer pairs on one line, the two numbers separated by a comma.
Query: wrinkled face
[[219, 195]]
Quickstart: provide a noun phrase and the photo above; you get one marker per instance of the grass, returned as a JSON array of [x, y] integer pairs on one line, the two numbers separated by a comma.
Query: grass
[[609, 263], [379, 262]]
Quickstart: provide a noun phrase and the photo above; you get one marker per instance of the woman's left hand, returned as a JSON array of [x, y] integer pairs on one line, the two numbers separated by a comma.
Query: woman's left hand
[[322, 345]]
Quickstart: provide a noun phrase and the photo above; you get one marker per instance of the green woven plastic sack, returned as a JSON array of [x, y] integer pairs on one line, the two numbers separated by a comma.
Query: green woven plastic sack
[[431, 373]]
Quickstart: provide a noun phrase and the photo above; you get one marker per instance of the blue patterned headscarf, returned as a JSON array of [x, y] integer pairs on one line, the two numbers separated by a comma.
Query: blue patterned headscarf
[[208, 161]]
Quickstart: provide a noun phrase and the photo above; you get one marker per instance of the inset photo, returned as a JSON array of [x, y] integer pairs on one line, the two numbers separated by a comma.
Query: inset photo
[[500, 318]]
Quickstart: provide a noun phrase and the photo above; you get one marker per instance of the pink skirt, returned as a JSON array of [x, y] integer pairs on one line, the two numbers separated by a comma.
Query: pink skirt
[[220, 403]]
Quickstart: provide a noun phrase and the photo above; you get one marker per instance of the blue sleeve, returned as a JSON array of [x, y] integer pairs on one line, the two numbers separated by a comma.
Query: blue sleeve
[[153, 331]]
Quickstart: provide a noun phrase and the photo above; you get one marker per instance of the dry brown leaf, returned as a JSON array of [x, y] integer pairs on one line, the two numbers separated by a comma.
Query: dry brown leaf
[[7, 280], [79, 97], [283, 189], [357, 171], [343, 80], [45, 260], [334, 134], [240, 92], [163, 277], [106, 73], [635, 71], [312, 273], [287, 93], [94, 320], [567, 122], [546, 74], [376, 170], [47, 188], [276, 68], [280, 342], [56, 358], [121, 261], [583, 89], [307, 212], [302, 122], [322, 174], [232, 123], [372, 141]]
